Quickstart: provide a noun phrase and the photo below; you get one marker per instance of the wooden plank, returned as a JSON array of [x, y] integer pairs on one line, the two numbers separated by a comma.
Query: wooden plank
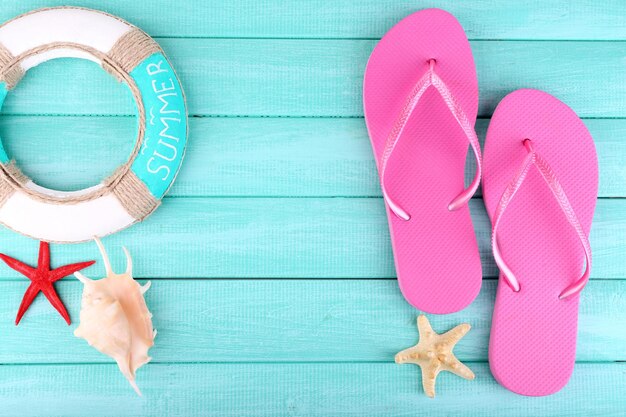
[[289, 321], [351, 389], [246, 157], [482, 19], [288, 238], [255, 77]]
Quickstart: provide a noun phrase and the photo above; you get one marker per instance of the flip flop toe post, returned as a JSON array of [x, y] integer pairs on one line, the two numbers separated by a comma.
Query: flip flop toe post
[[540, 189], [421, 98]]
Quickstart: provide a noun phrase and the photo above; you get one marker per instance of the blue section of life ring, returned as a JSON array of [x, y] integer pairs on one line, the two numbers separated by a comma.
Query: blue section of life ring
[[163, 146]]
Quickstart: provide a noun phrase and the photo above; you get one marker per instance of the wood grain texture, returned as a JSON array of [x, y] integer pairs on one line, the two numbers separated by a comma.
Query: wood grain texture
[[288, 238], [280, 185], [481, 19], [246, 157], [289, 321], [351, 389], [256, 77]]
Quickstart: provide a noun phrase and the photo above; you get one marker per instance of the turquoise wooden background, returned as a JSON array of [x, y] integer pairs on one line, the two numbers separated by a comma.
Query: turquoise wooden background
[[273, 281]]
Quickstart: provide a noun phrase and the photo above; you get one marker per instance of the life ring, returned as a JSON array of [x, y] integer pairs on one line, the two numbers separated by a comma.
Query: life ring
[[136, 188]]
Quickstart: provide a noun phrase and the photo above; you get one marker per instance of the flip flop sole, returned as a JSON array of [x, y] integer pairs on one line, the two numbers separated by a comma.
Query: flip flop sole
[[436, 254], [532, 347]]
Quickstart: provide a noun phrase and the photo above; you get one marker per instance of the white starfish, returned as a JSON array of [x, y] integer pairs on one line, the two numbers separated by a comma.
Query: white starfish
[[434, 354]]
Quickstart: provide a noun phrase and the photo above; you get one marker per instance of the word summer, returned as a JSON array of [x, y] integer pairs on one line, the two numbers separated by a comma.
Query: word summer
[[166, 121]]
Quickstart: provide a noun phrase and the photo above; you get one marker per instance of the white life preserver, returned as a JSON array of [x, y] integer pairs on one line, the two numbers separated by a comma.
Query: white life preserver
[[136, 188]]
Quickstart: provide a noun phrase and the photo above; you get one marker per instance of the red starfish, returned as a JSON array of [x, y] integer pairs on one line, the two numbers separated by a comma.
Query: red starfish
[[42, 280]]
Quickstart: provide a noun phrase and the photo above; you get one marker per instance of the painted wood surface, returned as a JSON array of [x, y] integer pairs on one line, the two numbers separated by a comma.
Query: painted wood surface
[[273, 279], [297, 389], [481, 19], [247, 157], [289, 321], [285, 77], [289, 238]]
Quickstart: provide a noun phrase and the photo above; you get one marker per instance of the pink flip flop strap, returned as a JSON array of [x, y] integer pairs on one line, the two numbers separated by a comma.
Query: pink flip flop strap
[[430, 79], [553, 183]]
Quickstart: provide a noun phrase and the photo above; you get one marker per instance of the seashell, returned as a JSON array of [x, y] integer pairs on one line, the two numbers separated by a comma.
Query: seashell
[[114, 317]]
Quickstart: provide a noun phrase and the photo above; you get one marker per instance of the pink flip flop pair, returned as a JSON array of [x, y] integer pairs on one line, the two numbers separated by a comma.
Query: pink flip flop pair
[[540, 187]]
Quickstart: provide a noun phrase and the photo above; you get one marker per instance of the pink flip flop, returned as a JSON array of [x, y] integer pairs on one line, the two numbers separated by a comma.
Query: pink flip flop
[[540, 188], [420, 97]]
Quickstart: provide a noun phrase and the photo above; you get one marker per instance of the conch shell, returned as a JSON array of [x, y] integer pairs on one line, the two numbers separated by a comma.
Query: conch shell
[[114, 317]]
